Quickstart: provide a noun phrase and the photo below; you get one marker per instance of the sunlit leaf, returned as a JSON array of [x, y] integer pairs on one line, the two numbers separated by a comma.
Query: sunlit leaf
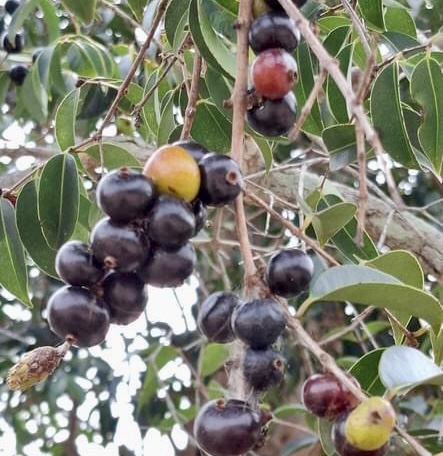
[[212, 357]]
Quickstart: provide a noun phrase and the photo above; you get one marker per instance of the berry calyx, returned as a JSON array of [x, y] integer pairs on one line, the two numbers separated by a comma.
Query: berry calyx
[[18, 74], [273, 73], [174, 172], [263, 368]]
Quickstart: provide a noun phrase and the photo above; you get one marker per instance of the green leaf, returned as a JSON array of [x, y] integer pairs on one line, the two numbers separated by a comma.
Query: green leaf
[[176, 18], [219, 91], [137, 8], [58, 199], [372, 327], [231, 6], [367, 286], [388, 119], [341, 144], [114, 156], [427, 89], [365, 371], [400, 20], [20, 15], [212, 357], [30, 230], [437, 345], [65, 120], [33, 97], [12, 258], [287, 410], [403, 368], [83, 10], [5, 83], [372, 11], [295, 445], [329, 221], [325, 434], [396, 41], [51, 20], [167, 120], [329, 23]]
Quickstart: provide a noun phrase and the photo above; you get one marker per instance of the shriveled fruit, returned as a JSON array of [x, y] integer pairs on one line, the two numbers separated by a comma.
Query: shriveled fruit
[[342, 445], [258, 322], [263, 368], [171, 222], [174, 171], [326, 397], [193, 148], [221, 179], [273, 73], [75, 264], [227, 428], [18, 74], [214, 316], [124, 294], [168, 268], [289, 272], [273, 117], [76, 312], [273, 30], [117, 247], [124, 195], [13, 48]]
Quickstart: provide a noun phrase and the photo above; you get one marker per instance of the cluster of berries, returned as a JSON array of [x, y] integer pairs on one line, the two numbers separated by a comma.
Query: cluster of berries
[[360, 428], [273, 36]]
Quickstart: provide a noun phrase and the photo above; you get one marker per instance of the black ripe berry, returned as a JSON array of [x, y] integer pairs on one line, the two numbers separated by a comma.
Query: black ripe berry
[[117, 247], [276, 6], [168, 268], [193, 148], [11, 6], [171, 222], [124, 195], [76, 265], [200, 214], [124, 293], [214, 316], [258, 323], [18, 74], [263, 368], [289, 272], [13, 48], [76, 312], [273, 30], [273, 117], [221, 179], [326, 397], [227, 428]]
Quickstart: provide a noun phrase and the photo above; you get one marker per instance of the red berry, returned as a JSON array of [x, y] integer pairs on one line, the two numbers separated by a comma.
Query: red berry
[[273, 73]]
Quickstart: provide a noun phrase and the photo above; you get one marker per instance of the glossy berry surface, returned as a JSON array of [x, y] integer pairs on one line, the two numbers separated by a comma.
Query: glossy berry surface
[[342, 445], [75, 311], [117, 247], [13, 48], [193, 148], [174, 172], [258, 323], [289, 272], [221, 179], [200, 215], [169, 268], [124, 195], [273, 73], [326, 397], [276, 6], [171, 222], [124, 294], [263, 368], [18, 74], [75, 264], [214, 316], [11, 6], [227, 428], [273, 117], [273, 30]]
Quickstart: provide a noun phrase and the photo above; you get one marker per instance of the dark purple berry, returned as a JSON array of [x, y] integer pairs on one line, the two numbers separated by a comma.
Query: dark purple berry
[[227, 428], [273, 30], [76, 265], [18, 74], [124, 293], [289, 272], [273, 117], [258, 323], [221, 179], [193, 148], [200, 214], [15, 48], [276, 6], [168, 268], [263, 368], [171, 222], [125, 195], [76, 312], [11, 6], [117, 247], [214, 316]]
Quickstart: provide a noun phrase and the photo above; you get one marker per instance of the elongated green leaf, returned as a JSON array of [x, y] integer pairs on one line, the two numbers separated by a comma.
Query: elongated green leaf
[[372, 11], [137, 7], [295, 445], [167, 120], [5, 83], [324, 428], [437, 346], [12, 259], [20, 15], [33, 96], [176, 17], [58, 199], [231, 6], [388, 117], [365, 370], [83, 10], [51, 20], [427, 89], [30, 230], [341, 144], [396, 41], [212, 357], [400, 20], [403, 368], [114, 156], [364, 285], [65, 120], [219, 91]]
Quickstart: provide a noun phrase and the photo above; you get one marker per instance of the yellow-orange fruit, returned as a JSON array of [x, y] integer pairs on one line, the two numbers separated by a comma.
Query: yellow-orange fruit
[[174, 172]]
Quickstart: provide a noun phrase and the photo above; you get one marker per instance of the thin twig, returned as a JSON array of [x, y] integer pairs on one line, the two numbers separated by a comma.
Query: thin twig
[[359, 27], [362, 187], [113, 7]]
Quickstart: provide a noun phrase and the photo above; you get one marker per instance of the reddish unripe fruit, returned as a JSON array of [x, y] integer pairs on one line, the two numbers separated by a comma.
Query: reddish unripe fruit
[[326, 397], [227, 428], [273, 73]]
